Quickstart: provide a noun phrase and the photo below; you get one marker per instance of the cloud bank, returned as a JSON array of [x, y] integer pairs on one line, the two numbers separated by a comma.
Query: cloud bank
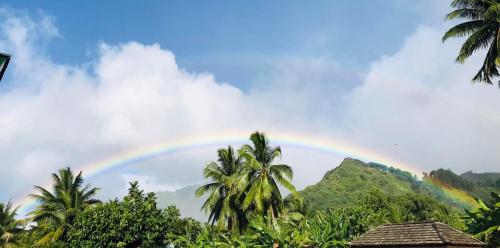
[[420, 106]]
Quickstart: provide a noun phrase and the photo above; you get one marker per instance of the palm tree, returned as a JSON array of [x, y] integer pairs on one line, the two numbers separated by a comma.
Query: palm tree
[[481, 28], [263, 194], [58, 208], [9, 226], [225, 188]]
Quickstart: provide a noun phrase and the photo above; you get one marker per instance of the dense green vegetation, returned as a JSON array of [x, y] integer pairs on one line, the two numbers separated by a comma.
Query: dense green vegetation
[[9, 226], [483, 179], [478, 185], [481, 27], [452, 179], [352, 179], [245, 184], [246, 208], [59, 207], [134, 222], [484, 222], [244, 199], [348, 182]]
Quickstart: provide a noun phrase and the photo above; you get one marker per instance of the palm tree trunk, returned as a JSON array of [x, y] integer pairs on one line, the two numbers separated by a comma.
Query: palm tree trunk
[[230, 224], [273, 218]]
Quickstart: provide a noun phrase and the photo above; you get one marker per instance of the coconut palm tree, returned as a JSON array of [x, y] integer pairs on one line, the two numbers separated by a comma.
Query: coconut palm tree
[[9, 226], [225, 188], [58, 208], [481, 27], [263, 194]]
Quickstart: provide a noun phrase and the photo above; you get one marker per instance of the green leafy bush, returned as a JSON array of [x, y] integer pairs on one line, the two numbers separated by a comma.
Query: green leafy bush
[[133, 222]]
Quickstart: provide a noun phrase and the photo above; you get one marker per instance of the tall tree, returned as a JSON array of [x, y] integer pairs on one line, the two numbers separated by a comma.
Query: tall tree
[[58, 208], [225, 189], [263, 194], [9, 226], [481, 27]]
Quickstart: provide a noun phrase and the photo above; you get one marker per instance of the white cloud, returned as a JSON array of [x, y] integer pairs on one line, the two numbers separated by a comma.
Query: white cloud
[[418, 105], [147, 183], [304, 82], [132, 95]]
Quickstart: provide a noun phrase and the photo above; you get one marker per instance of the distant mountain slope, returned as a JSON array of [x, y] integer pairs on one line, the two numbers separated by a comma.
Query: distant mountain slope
[[185, 200], [347, 183], [485, 179], [352, 179], [478, 185]]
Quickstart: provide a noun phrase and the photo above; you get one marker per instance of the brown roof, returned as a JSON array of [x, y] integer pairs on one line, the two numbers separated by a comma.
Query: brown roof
[[415, 234]]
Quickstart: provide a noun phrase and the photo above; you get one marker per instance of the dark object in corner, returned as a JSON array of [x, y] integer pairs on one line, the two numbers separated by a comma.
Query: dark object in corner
[[4, 62]]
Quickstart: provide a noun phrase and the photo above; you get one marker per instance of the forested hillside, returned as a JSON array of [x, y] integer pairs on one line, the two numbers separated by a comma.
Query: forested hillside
[[353, 179], [347, 183], [491, 179], [477, 185]]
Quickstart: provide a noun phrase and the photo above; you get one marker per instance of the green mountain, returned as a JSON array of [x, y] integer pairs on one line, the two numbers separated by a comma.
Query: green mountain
[[478, 185], [185, 200], [490, 179], [351, 180]]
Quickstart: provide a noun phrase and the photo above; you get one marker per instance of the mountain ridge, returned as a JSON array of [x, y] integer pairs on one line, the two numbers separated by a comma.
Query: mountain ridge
[[185, 200], [347, 183], [341, 186]]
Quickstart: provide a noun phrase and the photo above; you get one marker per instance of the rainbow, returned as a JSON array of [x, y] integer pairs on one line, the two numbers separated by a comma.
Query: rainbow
[[139, 154], [454, 193]]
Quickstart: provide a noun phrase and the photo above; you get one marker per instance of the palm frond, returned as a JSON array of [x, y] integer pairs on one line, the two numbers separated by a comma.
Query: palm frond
[[492, 13], [285, 183], [282, 169], [463, 29], [478, 4], [214, 171], [78, 181], [489, 67], [466, 13], [253, 196], [480, 39], [89, 193], [206, 188], [57, 209]]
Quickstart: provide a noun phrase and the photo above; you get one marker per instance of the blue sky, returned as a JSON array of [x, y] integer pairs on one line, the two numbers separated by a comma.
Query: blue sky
[[234, 40], [92, 79]]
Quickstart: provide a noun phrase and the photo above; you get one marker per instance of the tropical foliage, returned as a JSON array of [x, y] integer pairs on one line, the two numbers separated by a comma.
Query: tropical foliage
[[484, 222], [227, 182], [263, 195], [478, 185], [245, 208], [351, 180], [133, 222], [481, 27], [245, 184], [58, 208], [9, 226], [490, 179]]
